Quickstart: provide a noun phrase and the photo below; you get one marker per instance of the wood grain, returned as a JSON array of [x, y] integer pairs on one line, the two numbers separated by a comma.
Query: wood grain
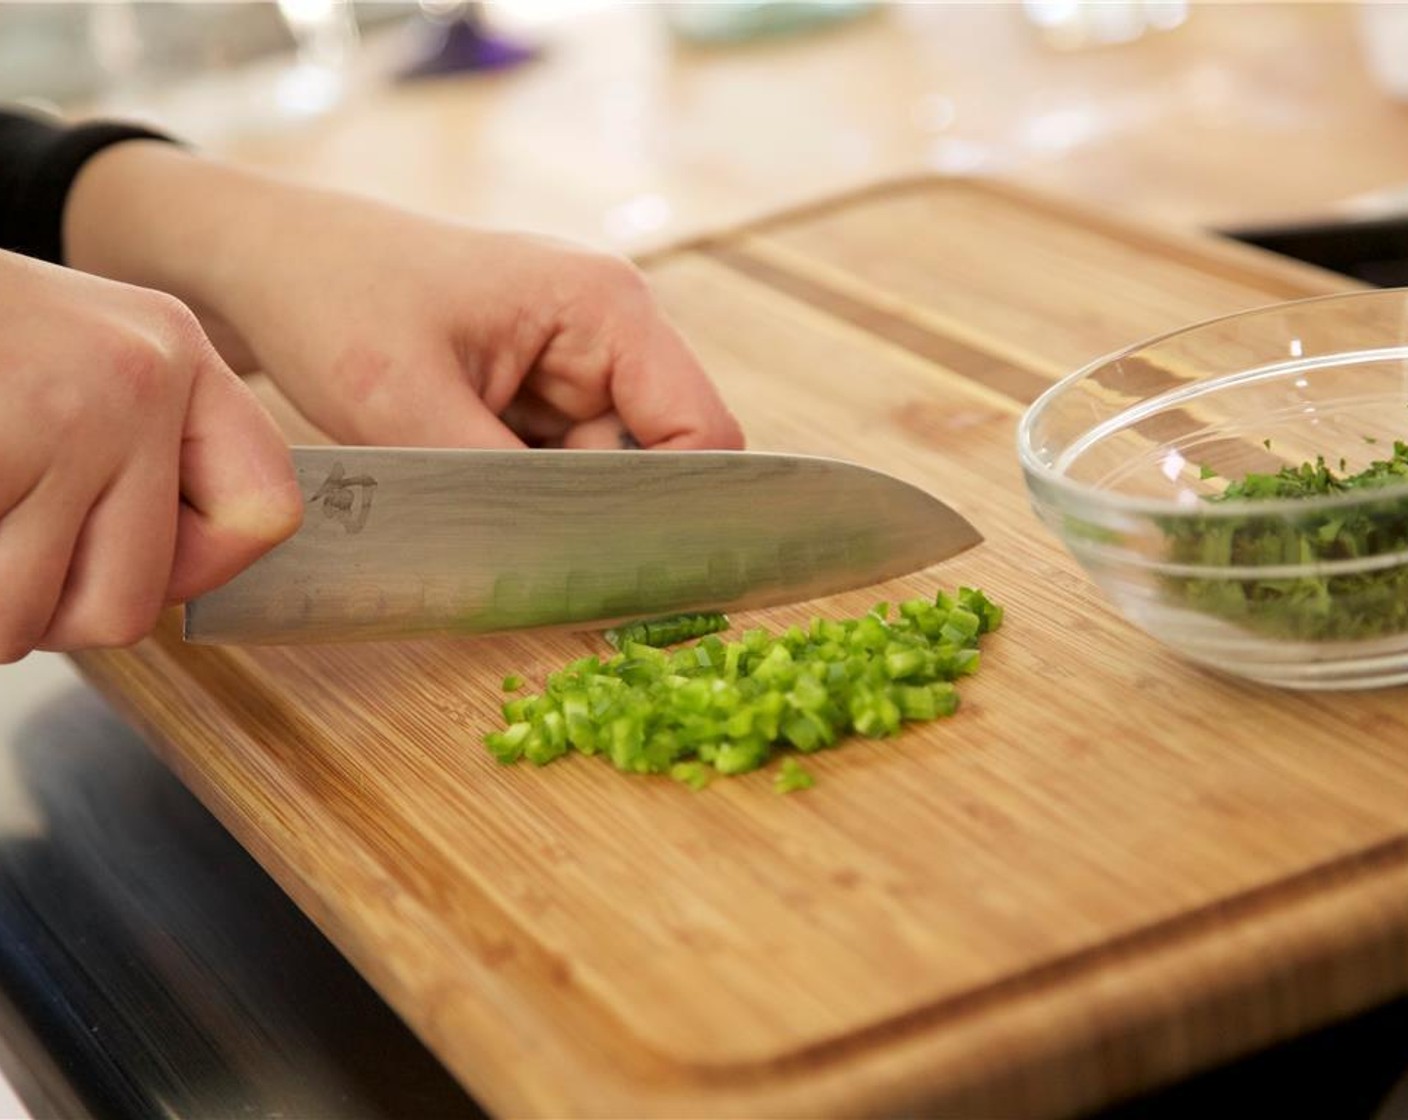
[[1108, 870]]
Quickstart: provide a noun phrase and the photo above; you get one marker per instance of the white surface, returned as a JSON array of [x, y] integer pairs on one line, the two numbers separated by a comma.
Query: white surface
[[26, 688], [10, 1106], [1383, 35]]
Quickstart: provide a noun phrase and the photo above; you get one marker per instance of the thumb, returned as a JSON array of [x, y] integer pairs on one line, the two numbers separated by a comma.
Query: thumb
[[239, 493]]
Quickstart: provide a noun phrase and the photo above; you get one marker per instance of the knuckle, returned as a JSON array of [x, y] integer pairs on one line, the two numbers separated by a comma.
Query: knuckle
[[112, 629], [604, 278], [621, 278], [160, 360], [140, 371], [108, 621], [174, 345], [177, 322]]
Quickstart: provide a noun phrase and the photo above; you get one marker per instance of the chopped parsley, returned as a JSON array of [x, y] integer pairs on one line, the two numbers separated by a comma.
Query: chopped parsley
[[1350, 605]]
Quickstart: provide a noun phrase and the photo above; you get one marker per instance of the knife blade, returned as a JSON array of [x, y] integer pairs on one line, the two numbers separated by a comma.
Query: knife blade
[[405, 543]]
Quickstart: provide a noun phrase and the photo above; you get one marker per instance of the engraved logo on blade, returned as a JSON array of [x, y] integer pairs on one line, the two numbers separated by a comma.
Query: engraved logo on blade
[[346, 499]]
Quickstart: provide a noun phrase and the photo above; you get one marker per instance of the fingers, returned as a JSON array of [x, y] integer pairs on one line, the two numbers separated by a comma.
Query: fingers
[[94, 392], [665, 398], [124, 561], [451, 415], [607, 432], [420, 399], [613, 350], [37, 538], [239, 494], [116, 404], [117, 573], [656, 395], [534, 421]]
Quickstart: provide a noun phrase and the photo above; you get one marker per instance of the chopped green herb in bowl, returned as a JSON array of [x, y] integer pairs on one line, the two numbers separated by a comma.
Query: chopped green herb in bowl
[[1228, 487], [1327, 594]]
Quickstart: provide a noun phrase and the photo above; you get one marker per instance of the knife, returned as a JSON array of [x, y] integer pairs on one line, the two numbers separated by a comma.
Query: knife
[[405, 543]]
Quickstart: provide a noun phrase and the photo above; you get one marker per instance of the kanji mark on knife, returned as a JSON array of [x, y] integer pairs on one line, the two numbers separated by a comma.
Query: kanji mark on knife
[[346, 499]]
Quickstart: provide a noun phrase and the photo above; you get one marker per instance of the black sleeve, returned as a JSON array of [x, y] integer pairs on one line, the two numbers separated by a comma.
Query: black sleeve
[[39, 160]]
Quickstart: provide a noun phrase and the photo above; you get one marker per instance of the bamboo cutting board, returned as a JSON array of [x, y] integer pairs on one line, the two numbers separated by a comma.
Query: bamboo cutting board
[[1109, 869]]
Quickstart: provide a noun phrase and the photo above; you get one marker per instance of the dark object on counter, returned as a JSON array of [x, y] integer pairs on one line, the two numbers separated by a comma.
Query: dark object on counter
[[1374, 250], [148, 967], [1346, 1071], [466, 44]]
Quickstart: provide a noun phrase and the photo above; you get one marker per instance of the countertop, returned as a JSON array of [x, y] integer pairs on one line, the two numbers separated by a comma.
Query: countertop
[[623, 135]]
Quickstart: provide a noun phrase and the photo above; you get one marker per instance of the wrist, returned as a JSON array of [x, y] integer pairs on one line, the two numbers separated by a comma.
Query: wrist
[[151, 214]]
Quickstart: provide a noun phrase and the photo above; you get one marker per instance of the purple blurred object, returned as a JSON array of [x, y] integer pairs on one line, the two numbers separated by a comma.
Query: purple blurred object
[[466, 44]]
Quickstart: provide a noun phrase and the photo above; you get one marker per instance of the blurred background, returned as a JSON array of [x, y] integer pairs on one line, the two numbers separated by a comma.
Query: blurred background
[[634, 124], [71, 54]]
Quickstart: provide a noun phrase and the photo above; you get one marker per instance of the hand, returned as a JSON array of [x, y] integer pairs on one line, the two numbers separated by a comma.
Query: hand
[[135, 468], [387, 327], [384, 327]]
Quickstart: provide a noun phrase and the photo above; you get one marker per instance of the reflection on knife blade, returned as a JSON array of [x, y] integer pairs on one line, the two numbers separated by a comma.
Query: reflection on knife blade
[[407, 543]]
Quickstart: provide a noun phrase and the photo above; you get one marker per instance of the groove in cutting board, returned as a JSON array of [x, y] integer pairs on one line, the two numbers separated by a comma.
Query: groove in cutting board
[[994, 366], [990, 370]]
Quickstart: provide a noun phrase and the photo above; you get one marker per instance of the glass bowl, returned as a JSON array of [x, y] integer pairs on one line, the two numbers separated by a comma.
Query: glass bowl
[[1165, 469]]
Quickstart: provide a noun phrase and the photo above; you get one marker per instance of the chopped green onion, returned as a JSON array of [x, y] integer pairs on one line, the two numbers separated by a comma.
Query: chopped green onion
[[513, 682], [726, 707]]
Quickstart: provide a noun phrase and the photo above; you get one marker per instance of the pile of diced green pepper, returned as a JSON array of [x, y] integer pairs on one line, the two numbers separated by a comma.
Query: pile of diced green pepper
[[725, 707]]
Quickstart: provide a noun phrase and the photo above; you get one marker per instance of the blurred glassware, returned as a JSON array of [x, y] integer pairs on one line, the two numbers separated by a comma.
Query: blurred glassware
[[208, 70], [45, 60], [736, 20], [325, 40], [462, 39], [1078, 24], [1383, 38], [115, 41]]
